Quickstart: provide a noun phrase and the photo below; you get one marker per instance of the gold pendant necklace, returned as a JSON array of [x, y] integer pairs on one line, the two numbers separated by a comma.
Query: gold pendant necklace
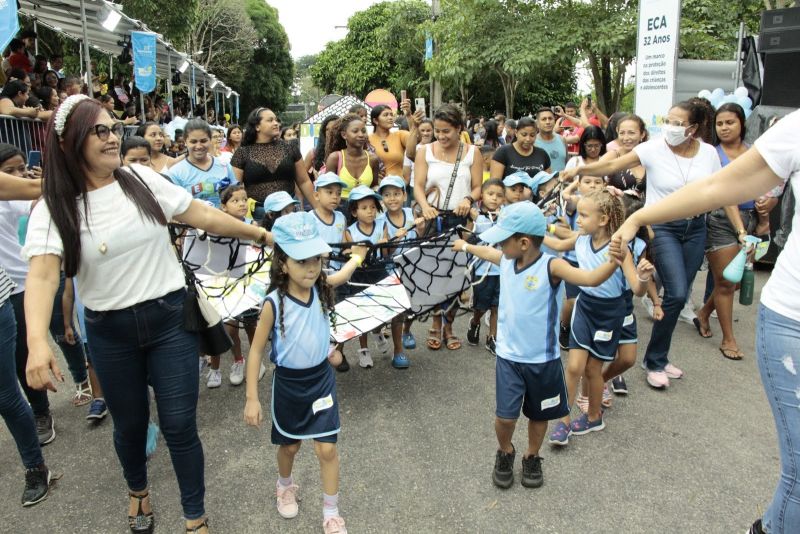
[[102, 248]]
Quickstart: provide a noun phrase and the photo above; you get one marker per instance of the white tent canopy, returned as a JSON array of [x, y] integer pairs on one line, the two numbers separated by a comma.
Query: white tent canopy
[[64, 16]]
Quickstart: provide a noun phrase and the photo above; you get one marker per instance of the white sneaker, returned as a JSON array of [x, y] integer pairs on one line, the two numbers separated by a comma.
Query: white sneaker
[[648, 305], [687, 313], [237, 373], [382, 343], [364, 358], [714, 314], [214, 378]]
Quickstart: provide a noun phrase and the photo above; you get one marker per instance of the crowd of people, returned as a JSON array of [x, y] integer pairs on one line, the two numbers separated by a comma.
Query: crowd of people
[[567, 215]]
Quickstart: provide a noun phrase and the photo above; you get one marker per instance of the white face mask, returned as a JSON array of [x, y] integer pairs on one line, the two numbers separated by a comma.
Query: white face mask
[[675, 135]]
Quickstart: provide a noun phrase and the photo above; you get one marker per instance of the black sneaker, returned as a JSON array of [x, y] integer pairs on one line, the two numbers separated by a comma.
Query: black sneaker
[[37, 485], [563, 337], [344, 366], [756, 528], [503, 474], [618, 385], [490, 345], [45, 428], [474, 333], [532, 472]]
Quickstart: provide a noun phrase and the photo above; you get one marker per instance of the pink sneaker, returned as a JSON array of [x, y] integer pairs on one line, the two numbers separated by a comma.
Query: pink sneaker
[[607, 398], [334, 525], [672, 371], [583, 403], [658, 379], [287, 501]]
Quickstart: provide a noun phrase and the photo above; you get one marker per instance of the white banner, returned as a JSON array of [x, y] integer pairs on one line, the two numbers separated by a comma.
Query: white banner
[[656, 59]]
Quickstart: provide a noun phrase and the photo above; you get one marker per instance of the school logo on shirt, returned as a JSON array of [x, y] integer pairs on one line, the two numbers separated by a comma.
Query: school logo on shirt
[[531, 282]]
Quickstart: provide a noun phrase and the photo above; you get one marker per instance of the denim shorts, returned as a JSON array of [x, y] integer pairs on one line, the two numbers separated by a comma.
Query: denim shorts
[[720, 233]]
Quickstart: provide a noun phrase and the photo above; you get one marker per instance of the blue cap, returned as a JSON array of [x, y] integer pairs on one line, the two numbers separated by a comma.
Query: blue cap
[[521, 217], [362, 191], [540, 178], [519, 177], [392, 181], [329, 178], [297, 234], [278, 201]]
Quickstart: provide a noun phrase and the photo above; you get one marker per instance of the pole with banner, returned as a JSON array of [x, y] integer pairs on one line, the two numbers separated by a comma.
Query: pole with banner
[[656, 60], [144, 63]]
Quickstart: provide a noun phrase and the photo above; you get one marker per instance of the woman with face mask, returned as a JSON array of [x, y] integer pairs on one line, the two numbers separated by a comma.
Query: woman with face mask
[[672, 161]]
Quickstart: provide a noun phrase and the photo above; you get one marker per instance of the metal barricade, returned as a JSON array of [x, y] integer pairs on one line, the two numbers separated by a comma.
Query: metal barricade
[[25, 134]]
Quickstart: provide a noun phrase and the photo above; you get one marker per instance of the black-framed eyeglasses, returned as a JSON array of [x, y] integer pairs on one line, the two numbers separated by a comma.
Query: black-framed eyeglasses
[[102, 131], [385, 145]]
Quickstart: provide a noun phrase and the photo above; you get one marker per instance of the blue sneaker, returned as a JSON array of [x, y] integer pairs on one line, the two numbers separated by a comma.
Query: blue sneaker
[[409, 342], [560, 435], [400, 361], [97, 410], [582, 425]]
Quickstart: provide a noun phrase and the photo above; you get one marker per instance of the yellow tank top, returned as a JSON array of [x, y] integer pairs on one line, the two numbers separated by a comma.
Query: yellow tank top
[[344, 174]]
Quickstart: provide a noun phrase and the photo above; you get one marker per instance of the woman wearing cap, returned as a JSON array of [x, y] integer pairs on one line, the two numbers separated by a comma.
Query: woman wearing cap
[[265, 163], [447, 176], [116, 245]]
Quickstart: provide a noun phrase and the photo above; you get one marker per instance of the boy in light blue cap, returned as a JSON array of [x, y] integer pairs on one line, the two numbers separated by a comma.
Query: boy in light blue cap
[[528, 372], [516, 185], [275, 205]]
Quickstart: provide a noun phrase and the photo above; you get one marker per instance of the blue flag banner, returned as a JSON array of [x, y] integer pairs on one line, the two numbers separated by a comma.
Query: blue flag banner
[[144, 60], [428, 47], [9, 22]]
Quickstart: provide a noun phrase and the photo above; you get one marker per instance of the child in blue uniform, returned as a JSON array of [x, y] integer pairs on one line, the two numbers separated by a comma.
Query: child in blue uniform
[[399, 224], [486, 292], [365, 205], [528, 368], [599, 311], [276, 205], [517, 187], [297, 315]]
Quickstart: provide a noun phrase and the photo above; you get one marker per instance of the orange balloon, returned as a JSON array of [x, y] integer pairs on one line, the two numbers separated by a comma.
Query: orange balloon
[[380, 97]]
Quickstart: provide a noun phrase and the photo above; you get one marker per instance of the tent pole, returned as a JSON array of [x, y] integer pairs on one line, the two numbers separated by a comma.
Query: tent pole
[[205, 100], [86, 57], [36, 41], [169, 84]]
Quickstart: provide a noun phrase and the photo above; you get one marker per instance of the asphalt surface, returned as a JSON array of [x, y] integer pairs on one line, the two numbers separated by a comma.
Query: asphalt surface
[[417, 450]]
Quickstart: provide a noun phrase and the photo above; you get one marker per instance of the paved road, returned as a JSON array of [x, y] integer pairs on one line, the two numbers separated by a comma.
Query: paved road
[[417, 451]]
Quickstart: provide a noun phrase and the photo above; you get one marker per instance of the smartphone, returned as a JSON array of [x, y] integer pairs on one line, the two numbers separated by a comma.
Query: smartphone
[[419, 104], [34, 159], [403, 95], [589, 100]]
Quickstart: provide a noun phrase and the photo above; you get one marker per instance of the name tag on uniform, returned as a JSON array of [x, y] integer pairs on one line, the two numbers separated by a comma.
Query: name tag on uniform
[[322, 404], [603, 335], [628, 320], [551, 402]]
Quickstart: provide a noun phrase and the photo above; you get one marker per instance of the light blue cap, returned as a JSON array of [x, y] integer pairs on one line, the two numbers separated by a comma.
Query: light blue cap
[[519, 177], [297, 234], [329, 178], [392, 181], [521, 217], [540, 178], [278, 201], [362, 191]]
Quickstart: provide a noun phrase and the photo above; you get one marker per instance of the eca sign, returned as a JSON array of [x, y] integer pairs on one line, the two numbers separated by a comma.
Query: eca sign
[[656, 23]]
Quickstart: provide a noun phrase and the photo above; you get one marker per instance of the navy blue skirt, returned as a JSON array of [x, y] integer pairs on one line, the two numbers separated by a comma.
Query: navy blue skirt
[[597, 325], [304, 405]]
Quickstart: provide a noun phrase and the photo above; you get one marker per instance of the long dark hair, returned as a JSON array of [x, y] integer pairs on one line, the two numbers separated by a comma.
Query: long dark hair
[[231, 128], [280, 280], [319, 149], [592, 132], [736, 109], [375, 113], [250, 133], [337, 141], [66, 181], [491, 138]]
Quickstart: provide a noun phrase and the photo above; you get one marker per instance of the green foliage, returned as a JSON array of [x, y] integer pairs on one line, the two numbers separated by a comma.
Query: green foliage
[[383, 49], [171, 19], [710, 28]]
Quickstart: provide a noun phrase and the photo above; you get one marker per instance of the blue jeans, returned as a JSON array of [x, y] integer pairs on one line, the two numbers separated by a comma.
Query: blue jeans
[[147, 342], [76, 358], [677, 249], [778, 349], [15, 411]]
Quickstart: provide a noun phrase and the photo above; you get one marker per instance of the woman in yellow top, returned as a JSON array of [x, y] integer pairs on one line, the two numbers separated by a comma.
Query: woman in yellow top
[[347, 155], [389, 146]]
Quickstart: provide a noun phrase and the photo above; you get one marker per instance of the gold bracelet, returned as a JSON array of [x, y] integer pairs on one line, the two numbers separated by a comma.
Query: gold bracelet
[[359, 259]]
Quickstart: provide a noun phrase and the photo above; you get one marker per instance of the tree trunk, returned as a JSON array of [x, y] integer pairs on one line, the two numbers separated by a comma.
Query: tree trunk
[[464, 90], [510, 84]]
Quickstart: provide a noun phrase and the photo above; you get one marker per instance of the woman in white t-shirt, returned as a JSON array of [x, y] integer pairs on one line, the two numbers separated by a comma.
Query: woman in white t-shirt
[[671, 162], [773, 161], [107, 226], [433, 175]]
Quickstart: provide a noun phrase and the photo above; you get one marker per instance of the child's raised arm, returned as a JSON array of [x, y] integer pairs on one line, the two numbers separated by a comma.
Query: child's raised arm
[[252, 407], [357, 255], [637, 276], [489, 254], [562, 270], [561, 245]]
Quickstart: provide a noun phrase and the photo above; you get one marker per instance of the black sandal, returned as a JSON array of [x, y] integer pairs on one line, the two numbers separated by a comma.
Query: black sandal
[[141, 522], [195, 530]]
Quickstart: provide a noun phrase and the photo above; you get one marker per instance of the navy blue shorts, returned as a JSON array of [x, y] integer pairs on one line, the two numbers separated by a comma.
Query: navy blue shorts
[[597, 325], [571, 290], [538, 389], [304, 405], [486, 293], [629, 335]]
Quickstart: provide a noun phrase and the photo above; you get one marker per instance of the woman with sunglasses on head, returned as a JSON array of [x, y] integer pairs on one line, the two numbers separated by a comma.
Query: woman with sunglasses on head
[[107, 225], [265, 163], [671, 162]]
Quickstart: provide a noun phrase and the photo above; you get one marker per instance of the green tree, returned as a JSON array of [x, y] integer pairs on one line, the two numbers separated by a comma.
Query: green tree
[[173, 20], [383, 48], [304, 91], [709, 28]]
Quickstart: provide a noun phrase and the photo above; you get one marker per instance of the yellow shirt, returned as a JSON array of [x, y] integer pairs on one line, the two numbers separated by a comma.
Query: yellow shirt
[[391, 154], [349, 179]]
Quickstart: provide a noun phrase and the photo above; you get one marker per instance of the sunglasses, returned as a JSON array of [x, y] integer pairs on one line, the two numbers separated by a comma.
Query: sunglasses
[[102, 131], [385, 145]]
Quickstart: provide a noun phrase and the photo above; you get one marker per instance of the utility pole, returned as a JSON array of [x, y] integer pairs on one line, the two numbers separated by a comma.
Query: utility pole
[[436, 86]]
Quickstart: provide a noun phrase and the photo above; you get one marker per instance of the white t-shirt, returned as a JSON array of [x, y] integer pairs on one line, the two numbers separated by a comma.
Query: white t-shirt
[[667, 172], [780, 149], [139, 263], [10, 213], [440, 173]]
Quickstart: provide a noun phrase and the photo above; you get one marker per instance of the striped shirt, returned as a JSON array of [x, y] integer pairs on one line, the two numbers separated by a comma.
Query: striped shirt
[[6, 286]]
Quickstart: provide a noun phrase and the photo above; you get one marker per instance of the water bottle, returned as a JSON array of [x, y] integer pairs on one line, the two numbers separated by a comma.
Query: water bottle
[[748, 285], [735, 270]]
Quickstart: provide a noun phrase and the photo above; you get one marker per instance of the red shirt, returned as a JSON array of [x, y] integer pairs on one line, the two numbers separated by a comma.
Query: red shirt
[[20, 61]]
